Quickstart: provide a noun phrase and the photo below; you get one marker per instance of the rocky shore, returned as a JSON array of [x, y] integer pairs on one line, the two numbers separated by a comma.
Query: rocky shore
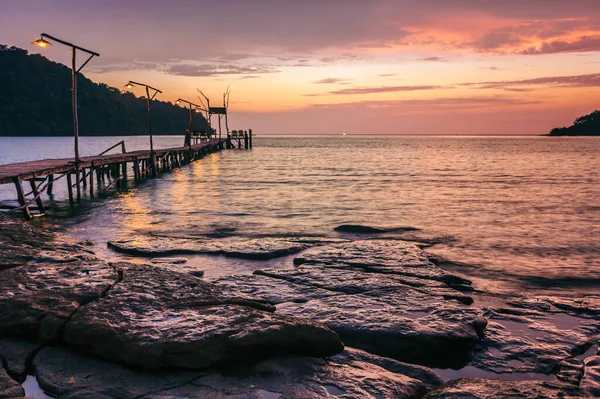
[[363, 317]]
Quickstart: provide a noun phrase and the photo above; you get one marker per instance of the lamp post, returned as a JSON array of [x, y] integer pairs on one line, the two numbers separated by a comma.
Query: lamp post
[[149, 99], [196, 108], [42, 42]]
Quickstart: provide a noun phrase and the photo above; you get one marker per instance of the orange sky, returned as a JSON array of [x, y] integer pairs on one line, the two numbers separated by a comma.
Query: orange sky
[[351, 66]]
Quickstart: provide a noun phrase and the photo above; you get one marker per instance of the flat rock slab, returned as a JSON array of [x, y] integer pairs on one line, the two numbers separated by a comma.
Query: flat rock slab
[[381, 256], [254, 249], [16, 354], [404, 325], [21, 243], [66, 374], [356, 281], [36, 299], [423, 374], [301, 378], [274, 290], [481, 388], [533, 339], [9, 388], [590, 382], [156, 318]]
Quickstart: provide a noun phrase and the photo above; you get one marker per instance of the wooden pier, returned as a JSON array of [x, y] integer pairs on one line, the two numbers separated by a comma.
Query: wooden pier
[[42, 175]]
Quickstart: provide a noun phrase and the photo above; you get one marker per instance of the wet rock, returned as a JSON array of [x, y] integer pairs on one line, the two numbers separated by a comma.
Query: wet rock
[[401, 324], [22, 242], [256, 248], [65, 374], [532, 341], [157, 318], [423, 374], [171, 261], [274, 290], [16, 354], [36, 299], [590, 381], [587, 306], [482, 388], [9, 388], [196, 273], [353, 281], [380, 256], [304, 378], [361, 229]]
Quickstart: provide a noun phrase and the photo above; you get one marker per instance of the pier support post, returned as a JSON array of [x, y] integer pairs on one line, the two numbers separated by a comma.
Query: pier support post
[[250, 137], [246, 140], [38, 199], [50, 184], [77, 176], [21, 197], [92, 180], [70, 187]]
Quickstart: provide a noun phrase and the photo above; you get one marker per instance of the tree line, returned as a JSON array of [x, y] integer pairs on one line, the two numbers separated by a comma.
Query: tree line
[[35, 100]]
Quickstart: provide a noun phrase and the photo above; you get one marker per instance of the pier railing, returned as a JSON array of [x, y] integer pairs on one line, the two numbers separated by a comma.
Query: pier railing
[[121, 143]]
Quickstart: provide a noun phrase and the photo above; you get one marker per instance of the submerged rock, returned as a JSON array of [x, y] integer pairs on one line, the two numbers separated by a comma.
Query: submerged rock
[[301, 377], [157, 318], [533, 339], [482, 388], [380, 256], [361, 229], [256, 248]]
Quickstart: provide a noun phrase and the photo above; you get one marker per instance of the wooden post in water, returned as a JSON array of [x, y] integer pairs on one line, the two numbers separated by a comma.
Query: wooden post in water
[[245, 139], [50, 184], [92, 180], [36, 195], [250, 137], [21, 197], [70, 187]]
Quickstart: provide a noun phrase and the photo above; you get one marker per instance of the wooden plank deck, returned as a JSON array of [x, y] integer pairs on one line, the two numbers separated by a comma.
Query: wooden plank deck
[[41, 168]]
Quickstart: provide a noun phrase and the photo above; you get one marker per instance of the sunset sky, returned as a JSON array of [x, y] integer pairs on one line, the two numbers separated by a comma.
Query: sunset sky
[[341, 66]]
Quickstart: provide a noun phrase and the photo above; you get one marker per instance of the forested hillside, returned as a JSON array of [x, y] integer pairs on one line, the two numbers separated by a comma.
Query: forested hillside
[[587, 125], [35, 100]]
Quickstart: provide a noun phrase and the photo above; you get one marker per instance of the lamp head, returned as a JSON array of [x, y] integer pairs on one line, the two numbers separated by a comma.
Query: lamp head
[[129, 85], [42, 43], [178, 102]]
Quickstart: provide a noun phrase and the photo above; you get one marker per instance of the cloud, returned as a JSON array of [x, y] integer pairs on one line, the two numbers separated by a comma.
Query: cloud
[[580, 44], [381, 89], [217, 70], [384, 75], [332, 81], [588, 80], [434, 59], [434, 103]]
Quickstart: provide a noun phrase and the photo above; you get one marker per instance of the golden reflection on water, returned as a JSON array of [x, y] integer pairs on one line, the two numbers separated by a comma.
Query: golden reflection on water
[[135, 213]]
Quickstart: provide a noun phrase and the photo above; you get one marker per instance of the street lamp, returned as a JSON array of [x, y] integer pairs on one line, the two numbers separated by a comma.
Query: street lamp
[[149, 99], [196, 108], [42, 42]]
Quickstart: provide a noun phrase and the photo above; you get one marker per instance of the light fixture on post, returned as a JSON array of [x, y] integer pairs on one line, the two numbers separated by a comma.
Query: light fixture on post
[[149, 99], [193, 107], [42, 42]]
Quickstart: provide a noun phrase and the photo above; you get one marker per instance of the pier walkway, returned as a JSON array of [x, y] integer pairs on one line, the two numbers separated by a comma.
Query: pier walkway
[[111, 168]]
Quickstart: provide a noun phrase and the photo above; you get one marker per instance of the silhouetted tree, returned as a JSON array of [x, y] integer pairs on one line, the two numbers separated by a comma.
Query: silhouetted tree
[[587, 125], [35, 100]]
